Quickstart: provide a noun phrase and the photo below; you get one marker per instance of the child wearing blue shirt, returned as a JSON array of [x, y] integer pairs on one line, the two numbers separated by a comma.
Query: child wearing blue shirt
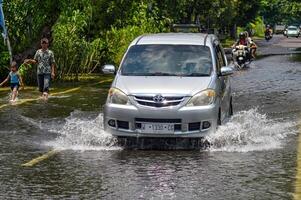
[[15, 81]]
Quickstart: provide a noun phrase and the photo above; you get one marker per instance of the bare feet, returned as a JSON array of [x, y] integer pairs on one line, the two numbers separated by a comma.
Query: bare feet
[[13, 102], [45, 96]]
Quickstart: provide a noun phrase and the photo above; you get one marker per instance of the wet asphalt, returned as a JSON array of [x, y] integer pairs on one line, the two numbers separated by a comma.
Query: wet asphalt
[[254, 155]]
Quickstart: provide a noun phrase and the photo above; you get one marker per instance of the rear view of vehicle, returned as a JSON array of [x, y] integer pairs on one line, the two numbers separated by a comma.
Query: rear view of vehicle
[[242, 56], [279, 29], [169, 86]]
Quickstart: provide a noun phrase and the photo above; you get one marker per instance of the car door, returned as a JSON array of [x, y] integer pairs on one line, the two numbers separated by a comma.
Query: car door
[[223, 80]]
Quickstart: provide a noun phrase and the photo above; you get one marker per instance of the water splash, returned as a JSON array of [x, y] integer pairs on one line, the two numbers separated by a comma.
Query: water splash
[[83, 133], [250, 131], [246, 131]]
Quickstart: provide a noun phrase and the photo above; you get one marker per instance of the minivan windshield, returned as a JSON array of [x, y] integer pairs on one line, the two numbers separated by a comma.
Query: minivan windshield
[[167, 60], [292, 28]]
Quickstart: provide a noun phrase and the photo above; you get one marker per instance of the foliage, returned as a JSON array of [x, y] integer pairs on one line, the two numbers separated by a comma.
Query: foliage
[[26, 18], [281, 11], [89, 33], [140, 22], [69, 42], [257, 26]]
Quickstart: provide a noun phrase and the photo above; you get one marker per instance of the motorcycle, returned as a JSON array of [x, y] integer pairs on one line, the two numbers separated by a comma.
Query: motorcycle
[[242, 58], [268, 35]]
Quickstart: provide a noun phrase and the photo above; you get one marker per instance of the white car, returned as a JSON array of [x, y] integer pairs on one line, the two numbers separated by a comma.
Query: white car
[[293, 31]]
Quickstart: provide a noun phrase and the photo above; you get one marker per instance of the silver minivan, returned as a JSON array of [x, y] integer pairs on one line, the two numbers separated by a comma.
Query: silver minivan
[[169, 85]]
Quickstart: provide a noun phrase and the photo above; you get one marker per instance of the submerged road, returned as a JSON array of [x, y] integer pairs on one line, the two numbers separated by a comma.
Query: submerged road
[[58, 150]]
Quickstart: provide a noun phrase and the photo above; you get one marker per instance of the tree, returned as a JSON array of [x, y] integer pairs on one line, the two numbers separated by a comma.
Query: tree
[[280, 11]]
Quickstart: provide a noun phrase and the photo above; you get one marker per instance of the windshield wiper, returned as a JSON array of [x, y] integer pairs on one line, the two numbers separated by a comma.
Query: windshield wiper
[[150, 74], [197, 74], [161, 74]]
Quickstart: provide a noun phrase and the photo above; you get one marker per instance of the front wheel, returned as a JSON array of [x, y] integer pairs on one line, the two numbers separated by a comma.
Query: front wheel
[[219, 119], [231, 108]]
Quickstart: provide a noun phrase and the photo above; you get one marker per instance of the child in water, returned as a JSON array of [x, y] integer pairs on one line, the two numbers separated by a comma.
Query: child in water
[[15, 81]]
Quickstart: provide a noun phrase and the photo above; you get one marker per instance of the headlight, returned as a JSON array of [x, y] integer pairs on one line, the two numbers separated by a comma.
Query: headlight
[[203, 98], [116, 96]]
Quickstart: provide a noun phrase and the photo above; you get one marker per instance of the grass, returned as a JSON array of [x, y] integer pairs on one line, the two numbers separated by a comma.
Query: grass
[[228, 42], [85, 80]]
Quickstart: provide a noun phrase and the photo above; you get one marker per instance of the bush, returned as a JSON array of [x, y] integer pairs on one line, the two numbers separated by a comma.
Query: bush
[[256, 27], [76, 54], [141, 22], [68, 41]]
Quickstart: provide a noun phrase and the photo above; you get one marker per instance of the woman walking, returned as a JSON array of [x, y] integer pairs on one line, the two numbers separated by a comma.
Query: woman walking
[[44, 58]]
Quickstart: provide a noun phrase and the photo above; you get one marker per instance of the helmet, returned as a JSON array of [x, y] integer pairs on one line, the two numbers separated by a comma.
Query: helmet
[[268, 26], [242, 35]]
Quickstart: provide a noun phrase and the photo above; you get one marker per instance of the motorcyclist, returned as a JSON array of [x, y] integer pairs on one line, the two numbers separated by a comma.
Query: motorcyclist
[[242, 40], [268, 30], [251, 44]]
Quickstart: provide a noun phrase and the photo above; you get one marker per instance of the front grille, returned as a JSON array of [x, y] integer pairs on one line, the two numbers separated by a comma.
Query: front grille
[[123, 124], [158, 105], [168, 101], [194, 126], [152, 120], [178, 127]]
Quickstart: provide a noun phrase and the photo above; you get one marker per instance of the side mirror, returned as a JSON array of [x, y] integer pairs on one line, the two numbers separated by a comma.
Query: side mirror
[[108, 69], [226, 71]]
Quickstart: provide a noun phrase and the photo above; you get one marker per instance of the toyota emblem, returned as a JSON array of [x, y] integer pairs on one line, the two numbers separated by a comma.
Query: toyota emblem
[[158, 98]]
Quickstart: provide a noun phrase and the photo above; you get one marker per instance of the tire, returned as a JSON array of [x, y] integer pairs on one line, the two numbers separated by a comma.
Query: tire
[[219, 120], [231, 108]]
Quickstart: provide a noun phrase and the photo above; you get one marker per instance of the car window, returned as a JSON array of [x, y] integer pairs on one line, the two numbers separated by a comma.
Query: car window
[[220, 59], [224, 61], [167, 60], [292, 28]]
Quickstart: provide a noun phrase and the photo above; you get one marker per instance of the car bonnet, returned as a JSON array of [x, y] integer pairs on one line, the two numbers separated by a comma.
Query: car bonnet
[[166, 85]]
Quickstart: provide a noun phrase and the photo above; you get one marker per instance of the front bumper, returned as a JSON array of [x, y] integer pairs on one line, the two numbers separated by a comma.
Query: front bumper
[[188, 120], [293, 34]]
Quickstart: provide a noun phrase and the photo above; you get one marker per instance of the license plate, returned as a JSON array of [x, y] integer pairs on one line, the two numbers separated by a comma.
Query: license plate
[[240, 58], [157, 128]]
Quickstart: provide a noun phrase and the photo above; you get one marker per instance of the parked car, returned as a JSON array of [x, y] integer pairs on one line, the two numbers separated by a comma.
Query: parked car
[[169, 85], [279, 29], [293, 31]]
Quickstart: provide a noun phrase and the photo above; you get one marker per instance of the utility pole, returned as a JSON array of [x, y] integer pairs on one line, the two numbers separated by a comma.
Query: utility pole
[[5, 34]]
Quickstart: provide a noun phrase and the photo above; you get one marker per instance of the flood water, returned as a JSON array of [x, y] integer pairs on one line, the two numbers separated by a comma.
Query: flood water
[[254, 155]]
